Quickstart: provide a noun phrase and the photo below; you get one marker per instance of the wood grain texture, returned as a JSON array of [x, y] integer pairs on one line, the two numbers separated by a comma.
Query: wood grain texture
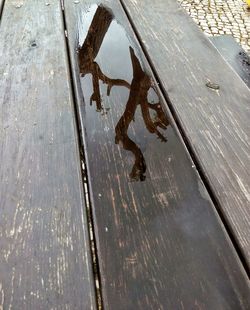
[[44, 259], [160, 243], [216, 123], [234, 54]]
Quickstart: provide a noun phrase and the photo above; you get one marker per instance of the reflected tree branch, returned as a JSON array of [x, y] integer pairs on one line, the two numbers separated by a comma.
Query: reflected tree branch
[[152, 113], [140, 86]]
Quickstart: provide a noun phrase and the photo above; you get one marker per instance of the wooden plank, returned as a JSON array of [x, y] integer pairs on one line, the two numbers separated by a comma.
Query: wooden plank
[[215, 122], [44, 256], [234, 54], [160, 242]]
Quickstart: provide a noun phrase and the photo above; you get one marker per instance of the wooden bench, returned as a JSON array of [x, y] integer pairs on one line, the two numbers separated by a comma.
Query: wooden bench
[[124, 156]]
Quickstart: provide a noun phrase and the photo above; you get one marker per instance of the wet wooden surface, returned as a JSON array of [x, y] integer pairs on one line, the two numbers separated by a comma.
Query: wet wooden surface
[[234, 54], [161, 244], [215, 122], [44, 248]]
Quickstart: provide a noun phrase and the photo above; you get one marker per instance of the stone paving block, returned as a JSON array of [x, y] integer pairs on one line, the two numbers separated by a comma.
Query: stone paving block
[[218, 17]]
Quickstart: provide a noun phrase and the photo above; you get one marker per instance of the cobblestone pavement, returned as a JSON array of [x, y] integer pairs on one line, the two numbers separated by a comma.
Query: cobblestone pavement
[[218, 17]]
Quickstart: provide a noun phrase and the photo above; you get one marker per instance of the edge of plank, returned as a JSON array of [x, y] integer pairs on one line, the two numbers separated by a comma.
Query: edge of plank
[[1, 9]]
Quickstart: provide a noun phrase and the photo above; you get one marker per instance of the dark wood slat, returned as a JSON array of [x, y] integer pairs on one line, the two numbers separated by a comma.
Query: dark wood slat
[[44, 247], [216, 123], [160, 242], [234, 54]]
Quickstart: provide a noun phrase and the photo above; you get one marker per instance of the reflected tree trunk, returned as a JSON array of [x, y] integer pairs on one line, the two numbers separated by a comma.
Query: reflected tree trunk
[[89, 50], [139, 88]]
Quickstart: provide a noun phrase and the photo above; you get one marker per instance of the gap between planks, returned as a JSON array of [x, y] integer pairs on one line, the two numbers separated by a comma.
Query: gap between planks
[[1, 9], [90, 220]]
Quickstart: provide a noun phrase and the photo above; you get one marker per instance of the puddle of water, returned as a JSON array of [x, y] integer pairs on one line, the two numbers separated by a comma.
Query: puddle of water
[[117, 87]]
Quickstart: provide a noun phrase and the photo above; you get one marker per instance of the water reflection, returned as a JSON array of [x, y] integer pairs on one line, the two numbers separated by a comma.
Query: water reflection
[[153, 116]]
